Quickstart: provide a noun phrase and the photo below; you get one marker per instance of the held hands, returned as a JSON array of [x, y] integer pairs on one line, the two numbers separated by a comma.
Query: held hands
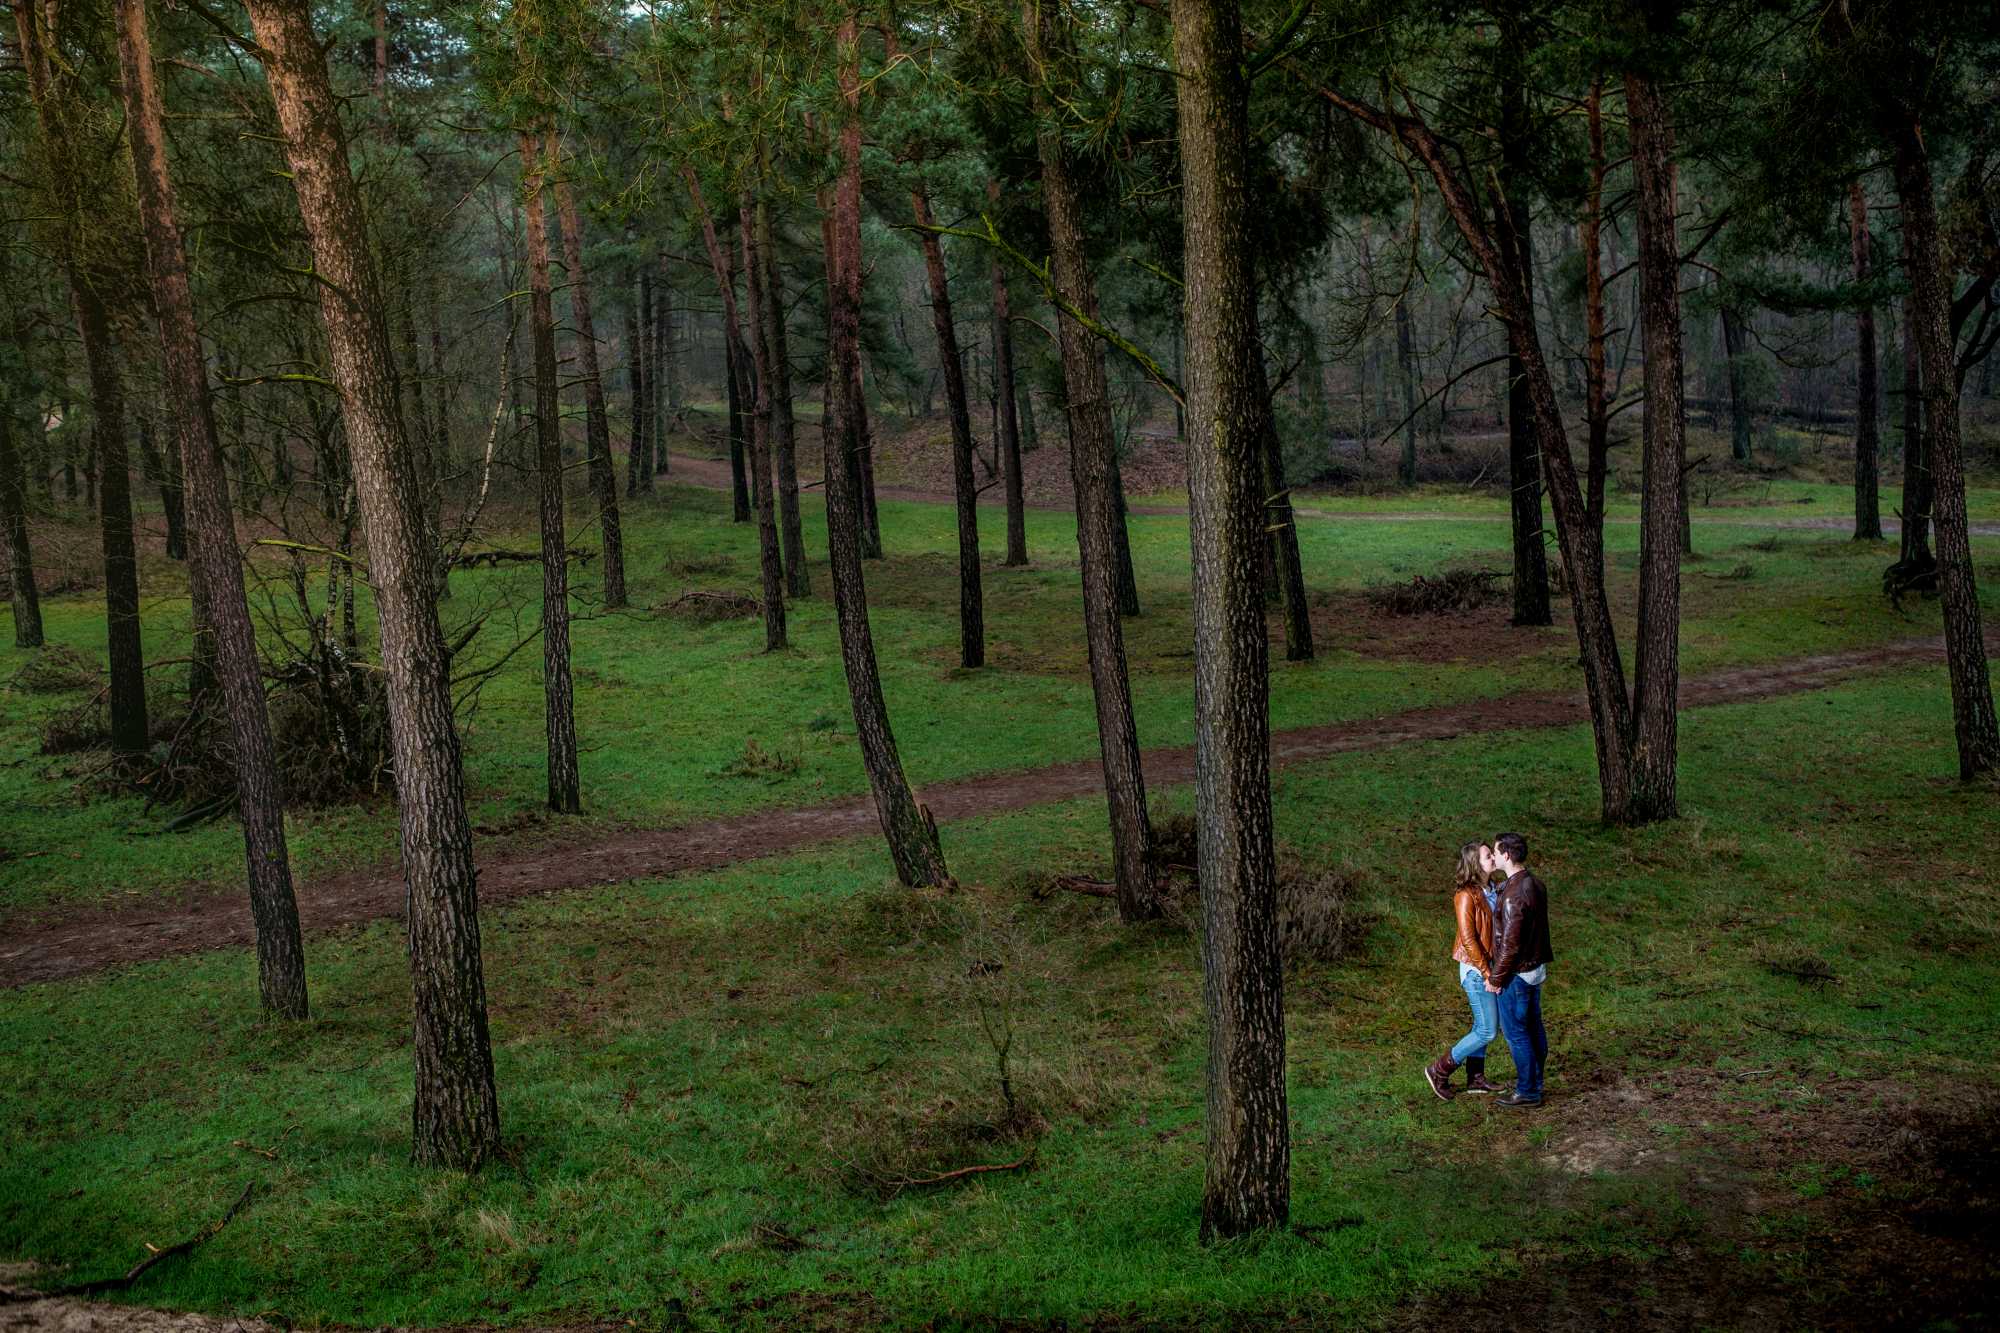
[[1492, 989]]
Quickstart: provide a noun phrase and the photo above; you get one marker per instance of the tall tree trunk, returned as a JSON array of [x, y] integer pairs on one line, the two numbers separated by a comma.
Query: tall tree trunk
[[1406, 358], [1597, 394], [771, 559], [1282, 521], [965, 487], [1918, 566], [1867, 440], [1735, 344], [666, 393], [559, 704], [1121, 536], [597, 423], [864, 477], [456, 1117], [784, 426], [1656, 676], [1974, 721], [639, 449], [1514, 224], [281, 967], [1249, 1133], [167, 476], [906, 823], [26, 598], [1093, 475], [1008, 420], [733, 360]]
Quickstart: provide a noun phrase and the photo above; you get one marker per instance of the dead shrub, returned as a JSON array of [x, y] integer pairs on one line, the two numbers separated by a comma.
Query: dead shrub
[[55, 668], [1446, 593], [758, 762], [702, 607], [1320, 919]]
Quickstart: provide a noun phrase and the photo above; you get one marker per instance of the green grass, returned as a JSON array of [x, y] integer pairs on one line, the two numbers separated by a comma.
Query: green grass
[[693, 1070], [665, 708]]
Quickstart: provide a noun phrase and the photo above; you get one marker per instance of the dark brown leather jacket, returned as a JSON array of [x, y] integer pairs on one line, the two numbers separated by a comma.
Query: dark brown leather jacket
[[1474, 944], [1520, 929]]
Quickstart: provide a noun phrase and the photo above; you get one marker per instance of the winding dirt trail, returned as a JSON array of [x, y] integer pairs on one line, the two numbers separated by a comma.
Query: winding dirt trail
[[78, 943]]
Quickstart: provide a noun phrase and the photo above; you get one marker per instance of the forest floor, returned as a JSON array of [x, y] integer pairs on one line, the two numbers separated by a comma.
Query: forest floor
[[734, 1057]]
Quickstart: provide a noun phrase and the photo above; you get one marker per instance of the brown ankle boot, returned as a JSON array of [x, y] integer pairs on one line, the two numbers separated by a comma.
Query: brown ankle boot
[[1438, 1076], [1475, 1075]]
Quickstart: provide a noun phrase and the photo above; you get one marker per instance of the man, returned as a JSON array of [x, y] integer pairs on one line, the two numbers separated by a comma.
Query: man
[[1521, 957]]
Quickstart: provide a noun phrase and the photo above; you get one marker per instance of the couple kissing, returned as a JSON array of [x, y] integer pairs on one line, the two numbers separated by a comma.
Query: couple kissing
[[1503, 956]]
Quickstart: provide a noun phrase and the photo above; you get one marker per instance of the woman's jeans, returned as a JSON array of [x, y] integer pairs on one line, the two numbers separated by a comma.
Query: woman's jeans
[[1484, 1019], [1521, 1019]]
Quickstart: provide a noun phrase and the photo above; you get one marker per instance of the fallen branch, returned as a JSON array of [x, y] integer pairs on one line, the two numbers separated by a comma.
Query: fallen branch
[[898, 1186], [494, 559], [138, 1270]]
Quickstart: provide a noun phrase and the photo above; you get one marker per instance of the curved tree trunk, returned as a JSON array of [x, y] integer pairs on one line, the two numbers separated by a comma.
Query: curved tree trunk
[[456, 1117], [906, 824], [1974, 721], [1093, 474], [281, 966], [1867, 397], [1249, 1134], [559, 704], [1656, 676], [597, 424], [965, 488]]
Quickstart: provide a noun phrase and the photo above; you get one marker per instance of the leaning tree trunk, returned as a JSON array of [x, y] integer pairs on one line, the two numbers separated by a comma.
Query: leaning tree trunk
[[1249, 1133], [784, 426], [281, 965], [20, 556], [906, 823], [738, 373], [1867, 439], [1092, 472], [1916, 566], [1656, 674], [1515, 228], [559, 704], [1009, 423], [597, 424], [965, 487], [1735, 346], [456, 1117], [771, 559], [1977, 728]]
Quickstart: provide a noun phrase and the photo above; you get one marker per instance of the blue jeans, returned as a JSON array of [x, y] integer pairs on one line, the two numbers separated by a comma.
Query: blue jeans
[[1484, 1019], [1528, 1042]]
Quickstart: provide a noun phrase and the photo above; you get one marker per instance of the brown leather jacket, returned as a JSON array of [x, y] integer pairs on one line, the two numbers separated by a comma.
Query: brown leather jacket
[[1474, 944], [1520, 929]]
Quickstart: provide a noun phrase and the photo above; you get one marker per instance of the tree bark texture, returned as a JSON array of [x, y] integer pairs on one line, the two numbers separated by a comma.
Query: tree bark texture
[[1513, 222], [965, 487], [784, 425], [1867, 394], [639, 449], [1974, 722], [281, 965], [1008, 417], [456, 1117], [771, 559], [25, 596], [1092, 468], [1656, 677], [597, 424], [906, 824], [1282, 523], [558, 698], [1248, 1126]]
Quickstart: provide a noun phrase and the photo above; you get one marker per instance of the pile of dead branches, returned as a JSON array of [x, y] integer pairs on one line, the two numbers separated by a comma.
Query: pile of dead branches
[[703, 607], [1446, 593]]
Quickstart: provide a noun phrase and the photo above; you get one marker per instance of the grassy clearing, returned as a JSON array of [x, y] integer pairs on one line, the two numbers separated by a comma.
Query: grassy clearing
[[711, 1084], [666, 708]]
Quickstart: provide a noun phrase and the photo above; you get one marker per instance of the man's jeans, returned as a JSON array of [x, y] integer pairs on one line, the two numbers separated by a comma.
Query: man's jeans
[[1484, 1019], [1521, 1019]]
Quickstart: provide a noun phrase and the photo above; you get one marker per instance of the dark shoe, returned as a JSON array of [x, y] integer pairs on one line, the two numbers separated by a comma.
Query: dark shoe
[[1438, 1076], [1475, 1076], [1516, 1099]]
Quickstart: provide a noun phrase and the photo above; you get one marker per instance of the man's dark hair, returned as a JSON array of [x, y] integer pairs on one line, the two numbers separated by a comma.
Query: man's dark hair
[[1512, 846]]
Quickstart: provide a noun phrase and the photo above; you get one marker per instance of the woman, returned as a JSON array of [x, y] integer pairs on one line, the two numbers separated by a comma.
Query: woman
[[1472, 904]]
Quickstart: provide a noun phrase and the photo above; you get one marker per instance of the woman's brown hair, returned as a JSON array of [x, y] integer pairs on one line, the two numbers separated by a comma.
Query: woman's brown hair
[[1471, 875]]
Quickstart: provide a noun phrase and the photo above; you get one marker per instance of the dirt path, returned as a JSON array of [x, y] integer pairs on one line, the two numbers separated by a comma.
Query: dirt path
[[73, 944], [713, 474]]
